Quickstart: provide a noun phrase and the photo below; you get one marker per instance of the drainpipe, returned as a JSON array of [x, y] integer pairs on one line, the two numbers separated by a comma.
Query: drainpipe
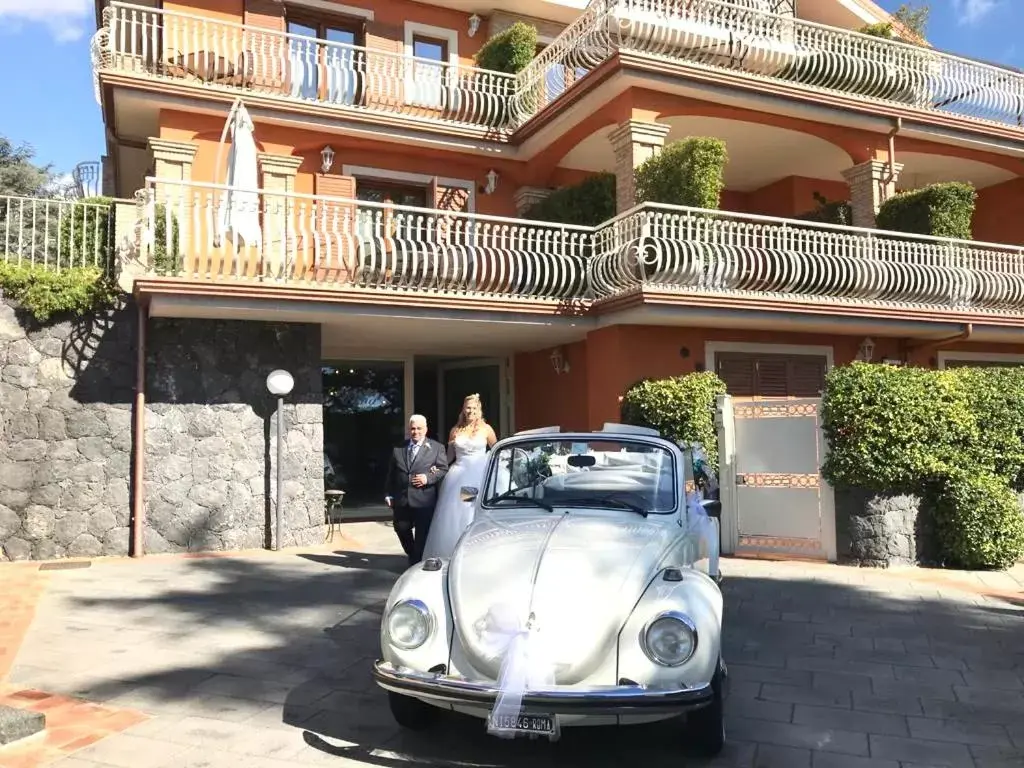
[[892, 151], [139, 434]]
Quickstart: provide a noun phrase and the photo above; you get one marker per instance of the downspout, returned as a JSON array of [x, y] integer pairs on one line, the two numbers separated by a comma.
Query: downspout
[[139, 434], [964, 335], [891, 178]]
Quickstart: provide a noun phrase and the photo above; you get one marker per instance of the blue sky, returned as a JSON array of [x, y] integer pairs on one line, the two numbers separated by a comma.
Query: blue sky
[[47, 92]]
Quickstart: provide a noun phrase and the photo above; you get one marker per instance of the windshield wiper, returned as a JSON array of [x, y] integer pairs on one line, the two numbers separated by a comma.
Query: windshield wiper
[[510, 494], [609, 500]]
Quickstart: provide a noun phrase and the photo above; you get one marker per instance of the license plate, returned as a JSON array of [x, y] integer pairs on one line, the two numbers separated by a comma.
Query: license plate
[[542, 724]]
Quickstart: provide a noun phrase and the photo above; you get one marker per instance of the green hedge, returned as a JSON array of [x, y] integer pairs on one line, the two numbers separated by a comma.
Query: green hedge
[[687, 172], [45, 293], [509, 51], [589, 203], [950, 437], [940, 210], [680, 408]]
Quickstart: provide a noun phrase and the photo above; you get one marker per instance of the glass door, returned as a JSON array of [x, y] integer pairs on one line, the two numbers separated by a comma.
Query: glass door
[[325, 62]]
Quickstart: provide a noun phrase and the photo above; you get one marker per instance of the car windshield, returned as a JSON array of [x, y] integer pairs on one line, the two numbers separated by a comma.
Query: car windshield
[[623, 474]]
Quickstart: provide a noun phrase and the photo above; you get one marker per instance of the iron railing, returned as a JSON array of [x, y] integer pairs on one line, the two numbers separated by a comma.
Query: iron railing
[[56, 234], [170, 45], [211, 232]]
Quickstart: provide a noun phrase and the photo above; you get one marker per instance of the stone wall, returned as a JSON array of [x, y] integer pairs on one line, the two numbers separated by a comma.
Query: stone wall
[[211, 435], [881, 530], [66, 392]]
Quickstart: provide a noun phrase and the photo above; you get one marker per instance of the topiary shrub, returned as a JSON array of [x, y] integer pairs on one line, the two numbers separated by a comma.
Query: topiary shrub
[[45, 293], [978, 519], [888, 426], [939, 210], [87, 232], [687, 172], [589, 203], [509, 51], [953, 438], [680, 408]]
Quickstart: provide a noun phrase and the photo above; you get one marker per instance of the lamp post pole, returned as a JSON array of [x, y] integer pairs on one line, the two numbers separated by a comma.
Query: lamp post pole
[[280, 383]]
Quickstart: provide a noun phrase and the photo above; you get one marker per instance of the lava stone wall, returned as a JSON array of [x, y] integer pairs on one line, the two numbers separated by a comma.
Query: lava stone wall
[[66, 403], [211, 431], [66, 392]]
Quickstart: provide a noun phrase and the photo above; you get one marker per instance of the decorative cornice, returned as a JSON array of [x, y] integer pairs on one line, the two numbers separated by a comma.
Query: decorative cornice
[[279, 165], [172, 151], [872, 170]]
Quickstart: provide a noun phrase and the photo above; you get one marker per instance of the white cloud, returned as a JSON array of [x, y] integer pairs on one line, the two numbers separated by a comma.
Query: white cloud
[[67, 19], [967, 11]]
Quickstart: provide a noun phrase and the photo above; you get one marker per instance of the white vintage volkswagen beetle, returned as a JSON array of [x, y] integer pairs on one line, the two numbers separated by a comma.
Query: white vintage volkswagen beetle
[[579, 595]]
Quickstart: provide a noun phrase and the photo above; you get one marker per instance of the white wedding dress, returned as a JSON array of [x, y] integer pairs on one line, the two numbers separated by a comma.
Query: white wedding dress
[[452, 515]]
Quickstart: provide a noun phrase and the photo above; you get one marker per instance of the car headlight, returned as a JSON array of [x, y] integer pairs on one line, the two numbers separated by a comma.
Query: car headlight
[[409, 624], [669, 639]]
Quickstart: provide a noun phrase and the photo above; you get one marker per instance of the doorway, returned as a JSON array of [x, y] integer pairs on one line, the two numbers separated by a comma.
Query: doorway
[[364, 418], [487, 377]]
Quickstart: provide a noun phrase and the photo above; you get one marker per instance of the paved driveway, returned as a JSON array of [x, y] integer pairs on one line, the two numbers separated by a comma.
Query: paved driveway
[[263, 661]]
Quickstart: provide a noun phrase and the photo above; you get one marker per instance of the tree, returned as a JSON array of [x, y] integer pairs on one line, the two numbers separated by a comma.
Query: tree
[[913, 18], [19, 175]]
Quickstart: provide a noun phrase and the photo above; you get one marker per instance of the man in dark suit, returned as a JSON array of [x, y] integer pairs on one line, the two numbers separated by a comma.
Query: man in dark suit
[[414, 473]]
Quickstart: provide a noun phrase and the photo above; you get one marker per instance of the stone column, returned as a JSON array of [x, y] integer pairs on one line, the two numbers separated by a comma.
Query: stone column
[[526, 197], [870, 186], [172, 160], [277, 180], [633, 142]]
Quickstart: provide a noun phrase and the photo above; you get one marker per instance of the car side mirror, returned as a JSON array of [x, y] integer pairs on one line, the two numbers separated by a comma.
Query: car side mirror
[[468, 493], [713, 507]]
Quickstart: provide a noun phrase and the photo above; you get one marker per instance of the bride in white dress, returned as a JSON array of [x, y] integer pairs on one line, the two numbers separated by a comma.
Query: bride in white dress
[[467, 457]]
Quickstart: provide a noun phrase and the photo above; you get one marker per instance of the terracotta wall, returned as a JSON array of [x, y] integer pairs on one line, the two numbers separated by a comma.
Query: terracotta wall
[[611, 359], [793, 196], [205, 131], [997, 213]]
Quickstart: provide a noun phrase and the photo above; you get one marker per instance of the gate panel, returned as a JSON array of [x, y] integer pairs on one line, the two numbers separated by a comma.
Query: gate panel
[[782, 505]]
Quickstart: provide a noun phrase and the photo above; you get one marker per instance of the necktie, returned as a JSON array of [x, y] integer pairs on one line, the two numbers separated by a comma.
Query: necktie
[[413, 447]]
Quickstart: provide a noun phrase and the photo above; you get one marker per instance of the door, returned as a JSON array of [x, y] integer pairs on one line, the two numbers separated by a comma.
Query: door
[[325, 61], [779, 502], [485, 377]]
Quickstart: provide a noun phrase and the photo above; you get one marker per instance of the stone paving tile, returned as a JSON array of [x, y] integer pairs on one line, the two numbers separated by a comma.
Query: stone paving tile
[[933, 753]]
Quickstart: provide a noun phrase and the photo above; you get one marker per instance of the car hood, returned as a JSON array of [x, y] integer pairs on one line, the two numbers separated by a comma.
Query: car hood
[[578, 575]]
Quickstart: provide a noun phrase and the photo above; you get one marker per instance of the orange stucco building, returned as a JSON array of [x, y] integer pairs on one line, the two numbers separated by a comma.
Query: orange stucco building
[[392, 178]]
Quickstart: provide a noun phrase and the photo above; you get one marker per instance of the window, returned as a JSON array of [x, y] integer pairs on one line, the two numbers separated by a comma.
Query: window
[[430, 52], [391, 193], [749, 374], [325, 60]]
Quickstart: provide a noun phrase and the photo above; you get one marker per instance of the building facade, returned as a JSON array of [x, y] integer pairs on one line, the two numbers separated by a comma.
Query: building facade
[[383, 256]]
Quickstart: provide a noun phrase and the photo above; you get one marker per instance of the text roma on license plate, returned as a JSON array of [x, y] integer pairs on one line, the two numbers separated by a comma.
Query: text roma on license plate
[[524, 723]]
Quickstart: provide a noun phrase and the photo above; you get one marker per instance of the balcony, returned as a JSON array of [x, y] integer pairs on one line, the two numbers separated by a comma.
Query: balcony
[[742, 37], [233, 58], [209, 234], [190, 234], [738, 36]]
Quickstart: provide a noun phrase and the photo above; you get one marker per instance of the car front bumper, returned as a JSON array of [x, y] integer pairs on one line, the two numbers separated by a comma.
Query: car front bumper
[[602, 700]]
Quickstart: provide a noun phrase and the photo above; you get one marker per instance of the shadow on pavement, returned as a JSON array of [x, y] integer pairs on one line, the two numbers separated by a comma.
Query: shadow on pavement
[[302, 634]]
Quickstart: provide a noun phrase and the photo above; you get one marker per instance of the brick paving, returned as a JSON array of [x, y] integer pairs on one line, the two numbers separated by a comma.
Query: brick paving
[[263, 660]]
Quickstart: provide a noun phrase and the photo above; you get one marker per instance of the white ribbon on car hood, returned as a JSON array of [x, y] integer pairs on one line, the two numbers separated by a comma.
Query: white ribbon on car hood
[[527, 665]]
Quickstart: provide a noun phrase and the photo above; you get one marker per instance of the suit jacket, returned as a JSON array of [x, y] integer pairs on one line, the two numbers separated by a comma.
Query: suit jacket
[[398, 485]]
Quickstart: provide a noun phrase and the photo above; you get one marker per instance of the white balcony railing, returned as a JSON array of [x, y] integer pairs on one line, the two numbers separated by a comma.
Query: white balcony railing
[[331, 242], [716, 253], [55, 234], [209, 232], [219, 54], [743, 37]]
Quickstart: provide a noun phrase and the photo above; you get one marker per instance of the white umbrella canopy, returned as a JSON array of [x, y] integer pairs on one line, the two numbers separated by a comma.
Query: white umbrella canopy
[[239, 214]]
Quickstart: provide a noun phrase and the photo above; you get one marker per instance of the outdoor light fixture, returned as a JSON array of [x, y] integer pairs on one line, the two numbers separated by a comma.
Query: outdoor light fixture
[[474, 24], [558, 361], [866, 351], [280, 384], [492, 182], [326, 159]]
